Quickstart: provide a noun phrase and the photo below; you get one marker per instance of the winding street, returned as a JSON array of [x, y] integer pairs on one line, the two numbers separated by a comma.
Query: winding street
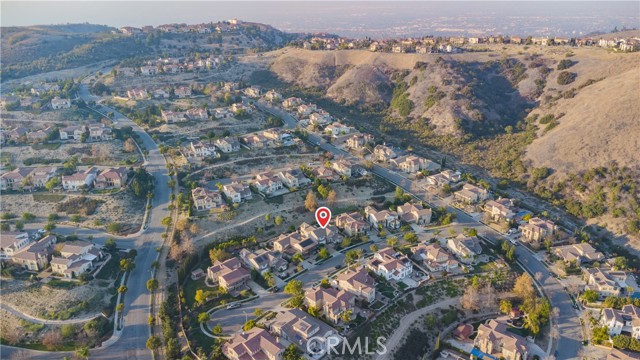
[[131, 342]]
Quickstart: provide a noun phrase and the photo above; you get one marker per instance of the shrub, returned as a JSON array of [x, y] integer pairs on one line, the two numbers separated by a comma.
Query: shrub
[[566, 77], [565, 64]]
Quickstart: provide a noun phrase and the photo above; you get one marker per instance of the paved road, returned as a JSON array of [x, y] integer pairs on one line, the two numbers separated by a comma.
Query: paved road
[[569, 343], [132, 342]]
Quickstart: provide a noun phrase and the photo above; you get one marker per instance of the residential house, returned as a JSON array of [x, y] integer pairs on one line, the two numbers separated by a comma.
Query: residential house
[[500, 210], [137, 94], [414, 214], [343, 167], [352, 224], [324, 173], [222, 113], [443, 178], [227, 144], [148, 70], [40, 135], [333, 303], [99, 132], [267, 183], [263, 260], [272, 95], [471, 194], [306, 109], [357, 282], [205, 199], [40, 175], [579, 253], [359, 141], [26, 178], [58, 103], [320, 118], [237, 192], [384, 218], [320, 235], [72, 132], [537, 230], [160, 94], [384, 153], [80, 180], [294, 243], [182, 92], [410, 163], [256, 141], [112, 178], [337, 128], [239, 107], [308, 333], [255, 344], [253, 91], [173, 116], [36, 256], [76, 257], [293, 178], [466, 248], [292, 102], [202, 150], [12, 242], [495, 340], [229, 274], [605, 283], [278, 137], [197, 114], [18, 134], [434, 257], [616, 354], [626, 321], [390, 264]]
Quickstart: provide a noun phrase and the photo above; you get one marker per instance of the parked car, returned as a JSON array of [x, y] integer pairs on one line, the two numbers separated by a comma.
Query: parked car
[[233, 306]]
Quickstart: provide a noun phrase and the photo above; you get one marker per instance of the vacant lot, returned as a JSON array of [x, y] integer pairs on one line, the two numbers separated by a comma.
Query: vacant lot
[[103, 153]]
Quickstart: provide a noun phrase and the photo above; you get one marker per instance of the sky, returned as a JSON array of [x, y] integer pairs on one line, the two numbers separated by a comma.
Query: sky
[[357, 19]]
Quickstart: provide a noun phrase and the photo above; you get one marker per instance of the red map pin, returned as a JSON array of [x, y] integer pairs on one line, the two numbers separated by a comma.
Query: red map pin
[[323, 216]]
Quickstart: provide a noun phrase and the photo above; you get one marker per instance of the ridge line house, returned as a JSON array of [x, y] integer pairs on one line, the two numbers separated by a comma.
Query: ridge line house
[[229, 274], [200, 150], [273, 96], [112, 178], [72, 132], [494, 339], [205, 199], [227, 144], [137, 94], [466, 248], [501, 209], [318, 116], [263, 261], [359, 141], [446, 177], [343, 167], [237, 192], [434, 257], [333, 303], [414, 214], [222, 113], [626, 320], [357, 282], [336, 128], [471, 194], [291, 102], [384, 153], [303, 330], [383, 218], [27, 178], [58, 103], [40, 135], [182, 92], [390, 264], [197, 114], [293, 178], [99, 131], [267, 183], [80, 180], [580, 253], [410, 163], [173, 116], [148, 70], [36, 255], [11, 242], [255, 344], [537, 230], [76, 257], [605, 283]]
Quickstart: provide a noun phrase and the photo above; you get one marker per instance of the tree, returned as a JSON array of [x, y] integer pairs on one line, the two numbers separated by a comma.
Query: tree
[[352, 256], [7, 227], [129, 145], [399, 195], [258, 312], [410, 237], [27, 216], [392, 241], [127, 265], [313, 311], [218, 255], [153, 342], [373, 247], [216, 330], [311, 203], [52, 183], [325, 283], [297, 258], [152, 285], [250, 324], [120, 308], [50, 226], [200, 297], [292, 352], [19, 225], [67, 331], [122, 289], [590, 296], [331, 197], [82, 353], [278, 220], [470, 300], [269, 278], [599, 334], [52, 339], [110, 244], [323, 253], [114, 228], [523, 287], [166, 221], [347, 316], [203, 317], [621, 263], [505, 306], [294, 288]]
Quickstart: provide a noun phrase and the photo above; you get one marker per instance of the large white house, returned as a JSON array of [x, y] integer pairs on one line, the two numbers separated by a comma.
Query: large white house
[[390, 264]]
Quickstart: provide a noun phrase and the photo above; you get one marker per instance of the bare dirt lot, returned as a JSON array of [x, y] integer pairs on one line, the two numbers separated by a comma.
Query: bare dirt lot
[[109, 153]]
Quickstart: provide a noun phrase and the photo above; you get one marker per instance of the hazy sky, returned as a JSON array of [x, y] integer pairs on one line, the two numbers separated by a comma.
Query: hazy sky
[[345, 18]]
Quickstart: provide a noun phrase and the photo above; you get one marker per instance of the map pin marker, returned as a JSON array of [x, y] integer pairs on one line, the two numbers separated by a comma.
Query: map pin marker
[[323, 216]]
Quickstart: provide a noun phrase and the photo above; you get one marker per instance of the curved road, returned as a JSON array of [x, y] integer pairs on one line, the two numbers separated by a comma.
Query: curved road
[[131, 343]]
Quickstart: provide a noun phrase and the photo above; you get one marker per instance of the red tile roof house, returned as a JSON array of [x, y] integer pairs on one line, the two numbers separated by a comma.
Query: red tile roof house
[[255, 344], [37, 255], [494, 339], [229, 274], [76, 258], [79, 180], [112, 178], [204, 199], [390, 264], [332, 302], [352, 224], [359, 283], [411, 213]]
